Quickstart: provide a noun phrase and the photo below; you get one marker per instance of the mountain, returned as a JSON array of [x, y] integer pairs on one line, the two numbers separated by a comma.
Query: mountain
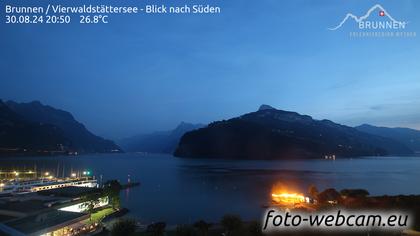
[[409, 137], [265, 107], [276, 134], [80, 139], [158, 142], [18, 135]]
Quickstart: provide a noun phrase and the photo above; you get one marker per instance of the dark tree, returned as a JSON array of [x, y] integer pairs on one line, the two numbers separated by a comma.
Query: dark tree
[[112, 189], [255, 229], [156, 229], [90, 201], [313, 191], [112, 185], [203, 227], [184, 230], [124, 227], [354, 192], [329, 195], [231, 223]]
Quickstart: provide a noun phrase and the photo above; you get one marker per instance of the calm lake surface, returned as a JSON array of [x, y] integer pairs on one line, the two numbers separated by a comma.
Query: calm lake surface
[[185, 190]]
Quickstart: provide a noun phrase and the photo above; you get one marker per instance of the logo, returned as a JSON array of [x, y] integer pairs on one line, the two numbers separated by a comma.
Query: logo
[[384, 25], [382, 13]]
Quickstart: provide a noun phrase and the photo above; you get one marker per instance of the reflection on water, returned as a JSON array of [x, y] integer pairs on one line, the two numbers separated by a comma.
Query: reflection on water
[[185, 190]]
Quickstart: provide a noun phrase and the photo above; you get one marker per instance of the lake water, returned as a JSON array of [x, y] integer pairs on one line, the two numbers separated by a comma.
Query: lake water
[[185, 190]]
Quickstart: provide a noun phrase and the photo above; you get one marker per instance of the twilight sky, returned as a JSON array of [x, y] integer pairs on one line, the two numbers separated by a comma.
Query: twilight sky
[[149, 72]]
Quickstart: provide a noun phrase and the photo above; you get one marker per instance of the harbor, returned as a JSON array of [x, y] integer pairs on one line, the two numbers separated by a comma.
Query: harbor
[[38, 203], [18, 182]]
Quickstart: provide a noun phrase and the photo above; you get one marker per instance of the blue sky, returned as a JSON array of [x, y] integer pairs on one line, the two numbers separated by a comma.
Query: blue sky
[[149, 72]]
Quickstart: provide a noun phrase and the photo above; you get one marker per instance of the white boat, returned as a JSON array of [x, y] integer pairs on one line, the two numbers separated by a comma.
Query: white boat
[[16, 187]]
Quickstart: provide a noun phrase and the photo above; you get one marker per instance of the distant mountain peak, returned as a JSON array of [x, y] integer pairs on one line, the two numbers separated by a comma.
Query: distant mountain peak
[[406, 136], [266, 107], [184, 127], [36, 102], [159, 142], [183, 123], [365, 126]]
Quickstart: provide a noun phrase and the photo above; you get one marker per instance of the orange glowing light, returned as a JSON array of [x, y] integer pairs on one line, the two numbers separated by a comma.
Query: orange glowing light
[[288, 198], [286, 194]]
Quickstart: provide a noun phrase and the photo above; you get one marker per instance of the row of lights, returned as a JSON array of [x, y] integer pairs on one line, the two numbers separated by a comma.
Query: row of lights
[[48, 173], [17, 173]]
